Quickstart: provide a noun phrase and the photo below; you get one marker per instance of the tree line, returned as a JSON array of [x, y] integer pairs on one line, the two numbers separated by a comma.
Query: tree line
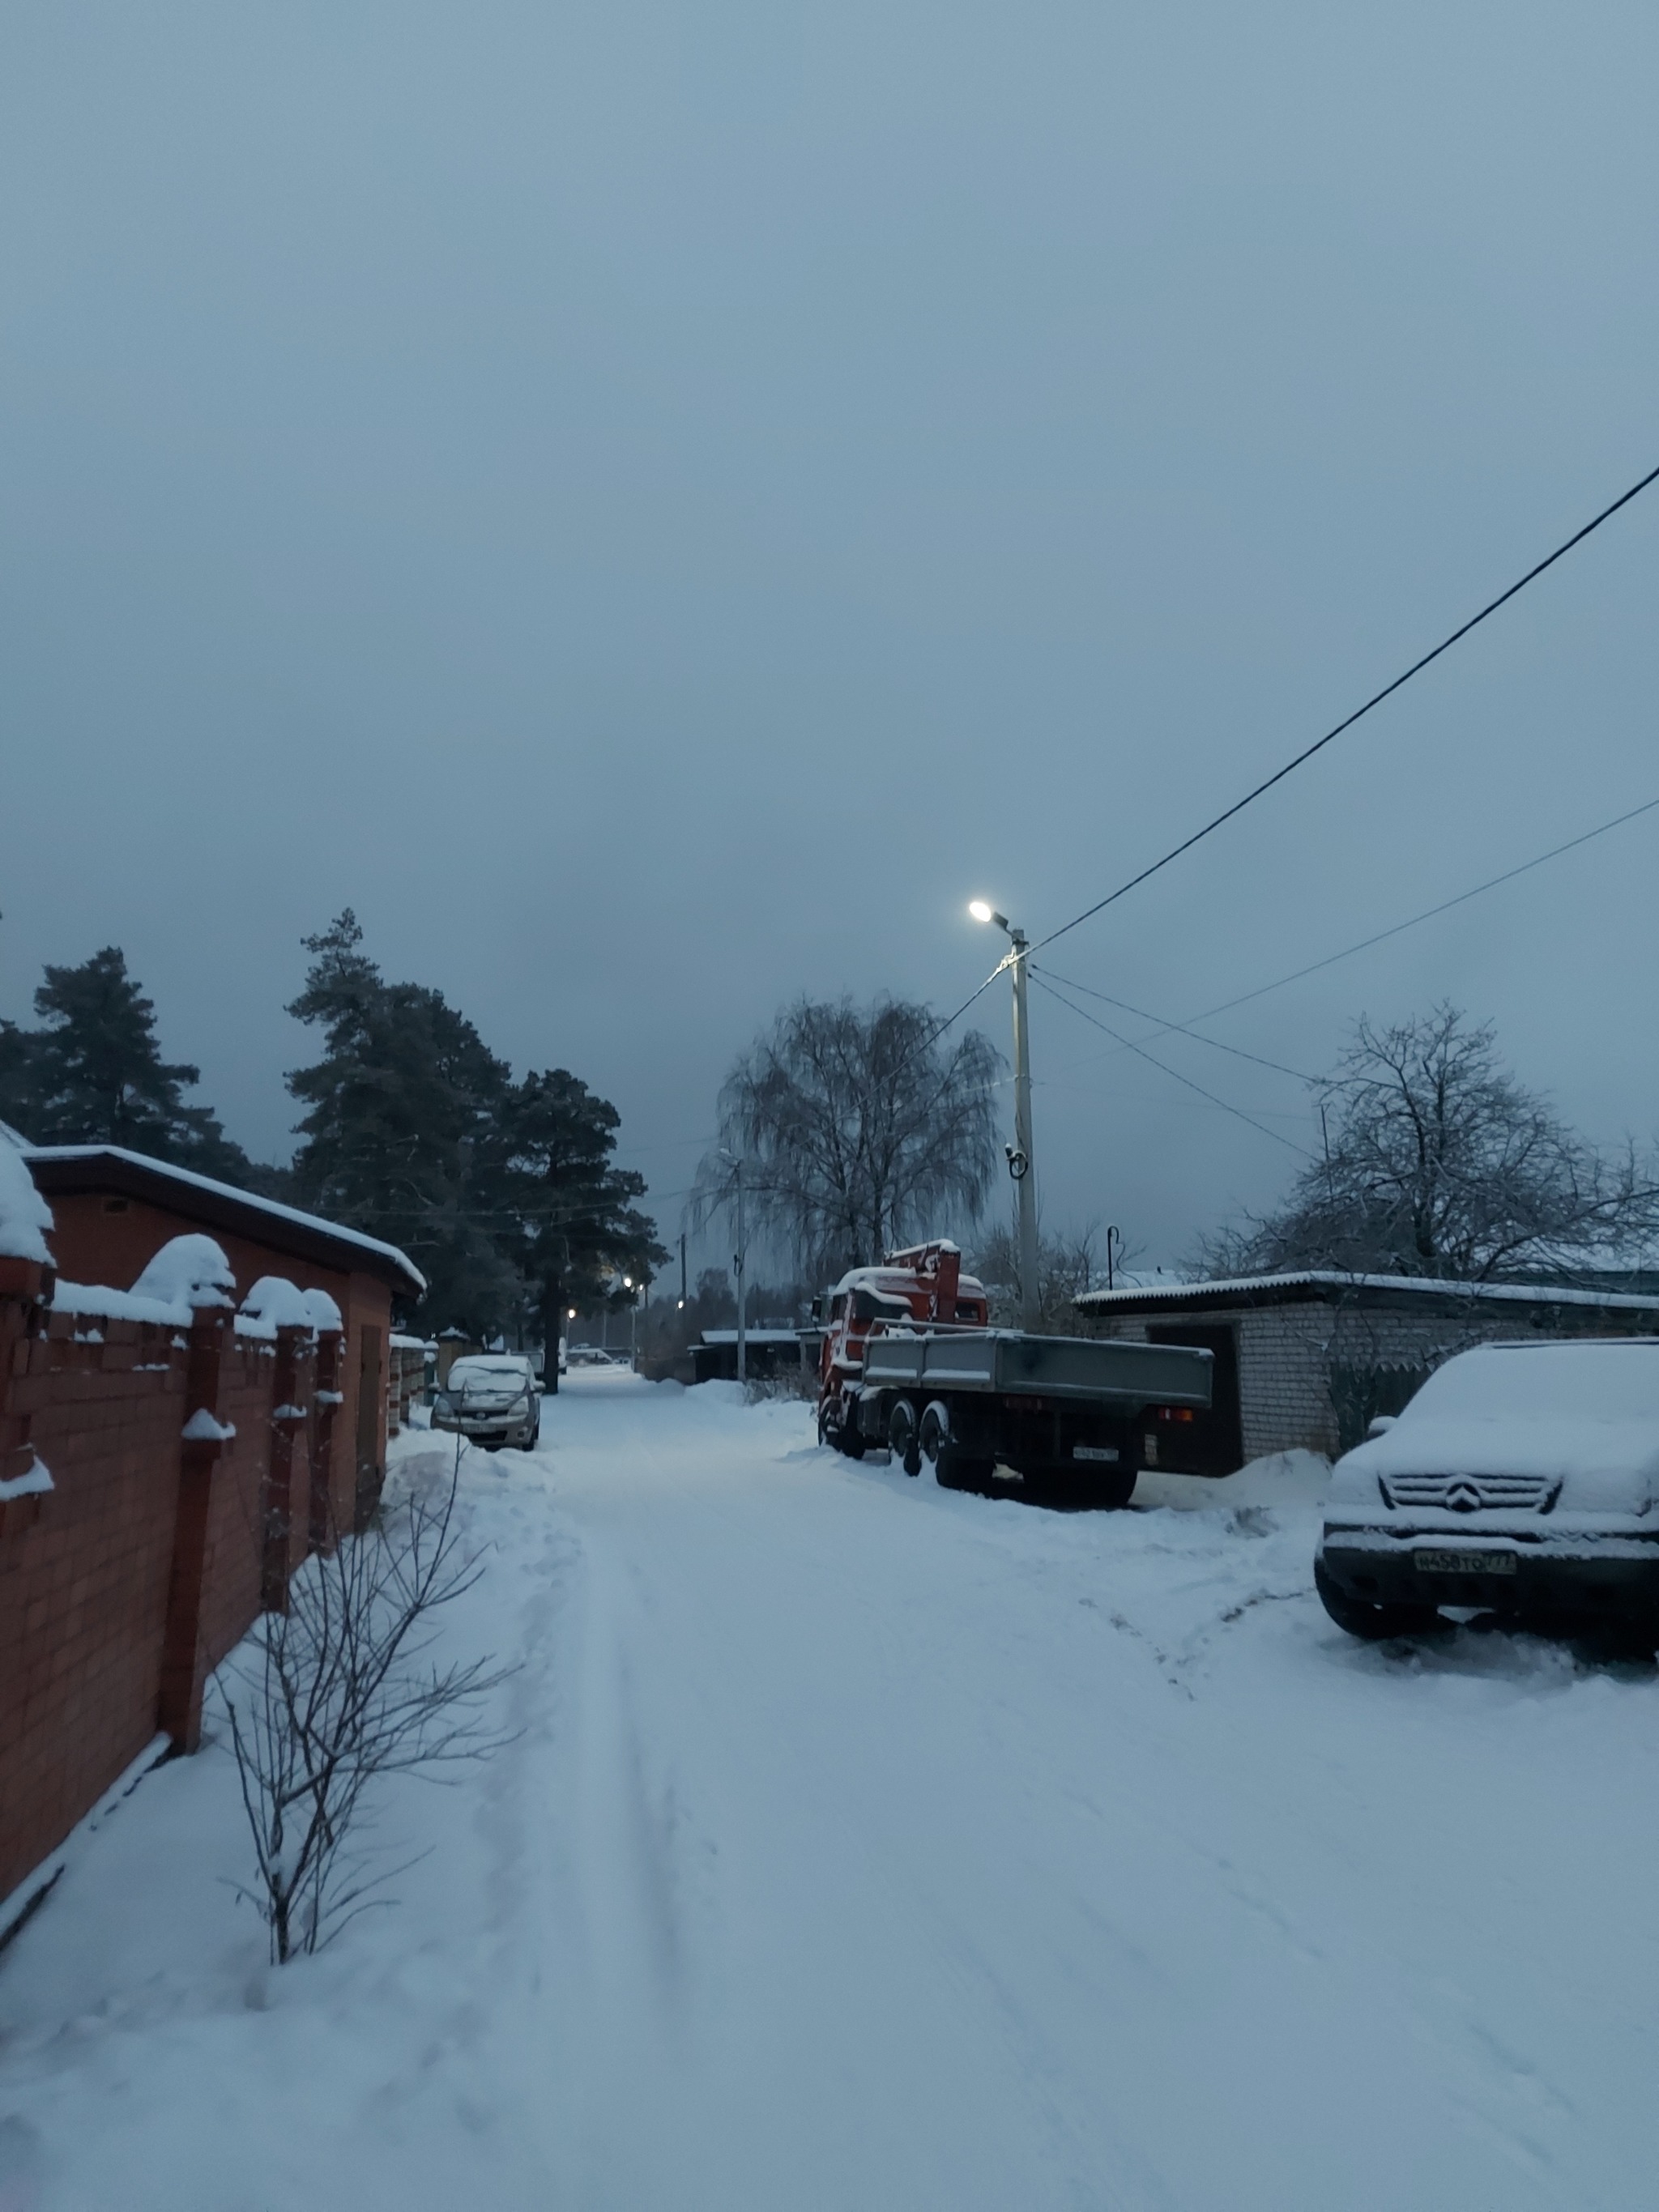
[[501, 1189], [853, 1130]]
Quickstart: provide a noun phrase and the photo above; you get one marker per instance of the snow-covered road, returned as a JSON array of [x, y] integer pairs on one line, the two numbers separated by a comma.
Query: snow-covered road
[[864, 1845]]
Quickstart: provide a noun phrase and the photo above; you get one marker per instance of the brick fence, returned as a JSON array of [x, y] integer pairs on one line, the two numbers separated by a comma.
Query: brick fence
[[160, 1478]]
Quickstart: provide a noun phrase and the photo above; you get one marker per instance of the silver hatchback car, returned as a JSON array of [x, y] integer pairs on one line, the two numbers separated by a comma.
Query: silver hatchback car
[[491, 1399], [1523, 1478]]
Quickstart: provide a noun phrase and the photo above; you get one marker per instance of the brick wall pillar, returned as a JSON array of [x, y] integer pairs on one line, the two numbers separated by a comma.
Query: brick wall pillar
[[287, 1420], [183, 1671], [24, 1288], [329, 1365]]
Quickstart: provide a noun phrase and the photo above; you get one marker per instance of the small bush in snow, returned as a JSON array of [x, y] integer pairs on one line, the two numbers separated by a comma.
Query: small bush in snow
[[340, 1690]]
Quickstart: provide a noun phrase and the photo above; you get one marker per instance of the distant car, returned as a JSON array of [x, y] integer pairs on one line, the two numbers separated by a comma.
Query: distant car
[[1523, 1478], [491, 1399], [591, 1355]]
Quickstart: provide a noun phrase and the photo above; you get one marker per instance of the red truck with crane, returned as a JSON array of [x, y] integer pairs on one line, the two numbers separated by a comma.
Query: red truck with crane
[[910, 1361]]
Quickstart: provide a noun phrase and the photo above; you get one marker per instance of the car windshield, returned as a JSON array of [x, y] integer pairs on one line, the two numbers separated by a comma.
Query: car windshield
[[1544, 1383], [485, 1371]]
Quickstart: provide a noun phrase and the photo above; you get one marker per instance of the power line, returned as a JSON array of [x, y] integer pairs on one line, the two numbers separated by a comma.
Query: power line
[[1225, 1104], [1395, 929], [1348, 722], [1181, 1029]]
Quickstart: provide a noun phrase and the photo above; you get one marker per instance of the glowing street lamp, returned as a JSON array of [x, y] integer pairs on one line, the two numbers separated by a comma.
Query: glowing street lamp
[[1019, 1152]]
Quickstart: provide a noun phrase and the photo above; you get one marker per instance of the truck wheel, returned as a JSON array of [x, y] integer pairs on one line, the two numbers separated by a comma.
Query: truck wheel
[[1372, 1624], [935, 1438], [835, 1432], [902, 1439]]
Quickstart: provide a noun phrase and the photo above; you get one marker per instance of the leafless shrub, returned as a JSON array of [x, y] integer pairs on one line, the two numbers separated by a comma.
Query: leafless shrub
[[1066, 1266], [787, 1383], [340, 1690]]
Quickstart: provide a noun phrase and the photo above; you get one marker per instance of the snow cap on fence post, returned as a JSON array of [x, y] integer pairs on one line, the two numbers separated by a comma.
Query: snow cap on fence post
[[189, 1271], [25, 1217]]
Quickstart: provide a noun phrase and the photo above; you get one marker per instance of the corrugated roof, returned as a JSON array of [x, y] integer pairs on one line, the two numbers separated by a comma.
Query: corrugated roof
[[54, 1168], [1261, 1290]]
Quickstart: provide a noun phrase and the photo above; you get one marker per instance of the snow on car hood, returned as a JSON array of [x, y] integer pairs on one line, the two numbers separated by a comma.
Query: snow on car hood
[[1549, 1409]]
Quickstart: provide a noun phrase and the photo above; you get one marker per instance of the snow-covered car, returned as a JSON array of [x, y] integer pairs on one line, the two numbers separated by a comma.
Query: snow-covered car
[[491, 1399], [1523, 1478], [591, 1355]]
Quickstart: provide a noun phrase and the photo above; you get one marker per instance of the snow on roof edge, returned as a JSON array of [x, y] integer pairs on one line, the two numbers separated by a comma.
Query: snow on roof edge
[[271, 1206], [1441, 1286]]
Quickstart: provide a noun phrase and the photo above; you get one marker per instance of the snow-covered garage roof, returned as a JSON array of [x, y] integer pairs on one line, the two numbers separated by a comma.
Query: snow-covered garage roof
[[64, 1171], [1313, 1284]]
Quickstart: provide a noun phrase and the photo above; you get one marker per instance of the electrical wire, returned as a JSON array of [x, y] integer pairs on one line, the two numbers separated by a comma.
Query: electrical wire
[[1348, 720], [1180, 1029], [1395, 929], [1225, 1104]]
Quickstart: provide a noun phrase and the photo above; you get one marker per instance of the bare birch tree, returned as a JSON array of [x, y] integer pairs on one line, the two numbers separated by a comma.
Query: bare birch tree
[[858, 1129]]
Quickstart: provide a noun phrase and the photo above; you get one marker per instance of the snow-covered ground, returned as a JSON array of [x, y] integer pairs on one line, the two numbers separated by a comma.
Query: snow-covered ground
[[863, 1845]]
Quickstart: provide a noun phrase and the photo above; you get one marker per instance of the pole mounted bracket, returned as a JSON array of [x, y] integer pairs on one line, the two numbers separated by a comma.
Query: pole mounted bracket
[[1018, 1165]]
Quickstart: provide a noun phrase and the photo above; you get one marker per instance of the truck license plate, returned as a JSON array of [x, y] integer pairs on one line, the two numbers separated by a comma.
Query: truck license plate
[[1466, 1563], [1094, 1451]]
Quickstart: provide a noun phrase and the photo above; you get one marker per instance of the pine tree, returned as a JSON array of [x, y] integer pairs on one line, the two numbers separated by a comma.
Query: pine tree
[[401, 1135], [578, 1231], [93, 1074]]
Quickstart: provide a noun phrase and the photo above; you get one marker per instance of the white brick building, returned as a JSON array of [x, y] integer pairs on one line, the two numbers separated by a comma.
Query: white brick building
[[1307, 1359]]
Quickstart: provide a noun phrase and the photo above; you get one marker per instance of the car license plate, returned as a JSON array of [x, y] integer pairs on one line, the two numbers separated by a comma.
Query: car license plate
[[1094, 1451], [1466, 1563]]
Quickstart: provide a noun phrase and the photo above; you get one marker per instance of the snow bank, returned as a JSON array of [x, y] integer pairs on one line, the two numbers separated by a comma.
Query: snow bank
[[190, 1271], [25, 1217], [1287, 1479]]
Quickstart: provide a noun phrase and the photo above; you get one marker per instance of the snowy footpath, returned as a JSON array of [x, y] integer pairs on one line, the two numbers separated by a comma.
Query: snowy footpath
[[860, 1845]]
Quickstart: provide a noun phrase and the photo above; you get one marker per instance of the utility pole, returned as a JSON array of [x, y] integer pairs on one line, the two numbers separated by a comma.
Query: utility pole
[[1019, 1152], [682, 1271]]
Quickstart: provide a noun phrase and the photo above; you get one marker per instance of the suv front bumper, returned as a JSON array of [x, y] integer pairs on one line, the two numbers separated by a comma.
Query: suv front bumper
[[1589, 1575], [487, 1428]]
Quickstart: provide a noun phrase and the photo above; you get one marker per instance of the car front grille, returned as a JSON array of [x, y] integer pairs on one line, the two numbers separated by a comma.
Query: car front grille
[[1473, 1493]]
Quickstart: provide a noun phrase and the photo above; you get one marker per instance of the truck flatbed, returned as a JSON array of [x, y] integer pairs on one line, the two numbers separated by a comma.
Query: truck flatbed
[[1007, 1362]]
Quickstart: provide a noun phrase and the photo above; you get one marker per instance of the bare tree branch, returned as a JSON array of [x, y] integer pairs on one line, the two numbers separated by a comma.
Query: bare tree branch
[[338, 1692], [1442, 1165]]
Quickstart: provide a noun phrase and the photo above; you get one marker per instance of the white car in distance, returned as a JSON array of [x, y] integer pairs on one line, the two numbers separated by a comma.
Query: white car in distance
[[491, 1398], [1522, 1479]]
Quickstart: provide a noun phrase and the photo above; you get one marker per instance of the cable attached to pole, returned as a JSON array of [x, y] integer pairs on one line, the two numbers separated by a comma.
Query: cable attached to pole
[[1348, 720]]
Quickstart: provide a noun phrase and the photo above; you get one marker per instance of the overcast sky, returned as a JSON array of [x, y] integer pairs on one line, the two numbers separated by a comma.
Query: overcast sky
[[656, 506]]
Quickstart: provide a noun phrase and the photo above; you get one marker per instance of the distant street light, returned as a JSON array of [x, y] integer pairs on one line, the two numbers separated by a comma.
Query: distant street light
[[1019, 1152]]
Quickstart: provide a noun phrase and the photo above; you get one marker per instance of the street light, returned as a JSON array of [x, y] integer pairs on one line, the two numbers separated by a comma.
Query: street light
[[1019, 1152]]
